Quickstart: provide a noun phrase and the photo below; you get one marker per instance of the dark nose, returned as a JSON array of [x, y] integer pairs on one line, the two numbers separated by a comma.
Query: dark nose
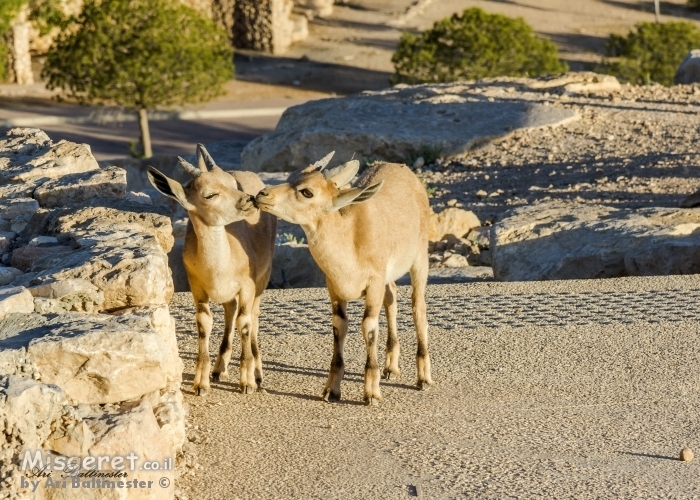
[[263, 193]]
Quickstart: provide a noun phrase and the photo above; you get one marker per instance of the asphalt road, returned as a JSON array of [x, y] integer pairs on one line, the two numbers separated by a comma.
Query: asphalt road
[[569, 389]]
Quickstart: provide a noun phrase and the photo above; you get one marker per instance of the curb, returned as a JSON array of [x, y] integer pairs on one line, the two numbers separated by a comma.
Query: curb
[[102, 117]]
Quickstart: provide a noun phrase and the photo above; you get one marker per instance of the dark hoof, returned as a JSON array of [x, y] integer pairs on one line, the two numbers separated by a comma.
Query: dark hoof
[[201, 391], [220, 377], [371, 401], [388, 375], [422, 385], [330, 397], [246, 389]]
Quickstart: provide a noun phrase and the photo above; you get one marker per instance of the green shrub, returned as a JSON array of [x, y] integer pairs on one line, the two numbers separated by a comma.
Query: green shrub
[[651, 52], [474, 45], [430, 154], [140, 54]]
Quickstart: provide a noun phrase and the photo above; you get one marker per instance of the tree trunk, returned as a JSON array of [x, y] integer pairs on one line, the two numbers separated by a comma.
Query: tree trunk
[[657, 11], [145, 134]]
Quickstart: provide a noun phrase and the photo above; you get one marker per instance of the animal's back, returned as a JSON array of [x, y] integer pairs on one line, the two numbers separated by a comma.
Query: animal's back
[[392, 226]]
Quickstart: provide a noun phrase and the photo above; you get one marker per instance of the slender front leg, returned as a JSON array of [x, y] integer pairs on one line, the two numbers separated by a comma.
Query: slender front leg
[[245, 330], [204, 321], [392, 339], [370, 331], [331, 391], [419, 281], [254, 343], [221, 365]]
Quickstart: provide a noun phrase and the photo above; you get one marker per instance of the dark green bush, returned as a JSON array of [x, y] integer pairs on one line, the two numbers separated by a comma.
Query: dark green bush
[[474, 45], [651, 52]]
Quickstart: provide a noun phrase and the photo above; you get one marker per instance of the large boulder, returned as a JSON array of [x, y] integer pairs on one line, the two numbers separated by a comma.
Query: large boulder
[[28, 156], [15, 300], [293, 266], [109, 182], [452, 117], [452, 221], [689, 70], [569, 241], [96, 359]]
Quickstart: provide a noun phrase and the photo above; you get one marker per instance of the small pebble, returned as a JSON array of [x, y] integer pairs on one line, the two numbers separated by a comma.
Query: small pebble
[[686, 454]]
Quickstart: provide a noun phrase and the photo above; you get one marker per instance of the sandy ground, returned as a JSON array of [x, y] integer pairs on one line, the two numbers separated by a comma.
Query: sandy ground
[[544, 390]]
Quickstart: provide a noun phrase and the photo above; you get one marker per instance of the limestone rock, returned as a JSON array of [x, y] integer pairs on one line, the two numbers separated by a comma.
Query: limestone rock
[[72, 441], [364, 125], [102, 219], [74, 188], [66, 295], [160, 320], [294, 266], [43, 241], [28, 408], [569, 241], [455, 260], [15, 300], [452, 221], [95, 359], [8, 274], [134, 428], [171, 416], [14, 207], [689, 70], [25, 258], [28, 156], [6, 240], [577, 83]]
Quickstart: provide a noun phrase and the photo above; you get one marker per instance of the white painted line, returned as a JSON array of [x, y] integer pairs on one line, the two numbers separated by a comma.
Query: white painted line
[[204, 114]]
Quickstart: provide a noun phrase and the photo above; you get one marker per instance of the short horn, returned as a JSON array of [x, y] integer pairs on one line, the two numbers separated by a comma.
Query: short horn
[[323, 162], [189, 168], [204, 158]]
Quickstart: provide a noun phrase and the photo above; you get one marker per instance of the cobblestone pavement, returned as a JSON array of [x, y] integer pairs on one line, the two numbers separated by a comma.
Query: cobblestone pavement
[[561, 389]]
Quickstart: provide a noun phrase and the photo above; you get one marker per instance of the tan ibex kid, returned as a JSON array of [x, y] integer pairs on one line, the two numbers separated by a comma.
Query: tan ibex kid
[[228, 259], [363, 238]]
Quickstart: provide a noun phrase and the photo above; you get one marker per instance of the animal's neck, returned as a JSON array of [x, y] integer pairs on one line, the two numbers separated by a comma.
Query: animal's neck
[[328, 236], [212, 243]]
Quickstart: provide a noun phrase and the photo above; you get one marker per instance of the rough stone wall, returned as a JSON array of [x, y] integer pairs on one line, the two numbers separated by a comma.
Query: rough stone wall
[[263, 25], [89, 363]]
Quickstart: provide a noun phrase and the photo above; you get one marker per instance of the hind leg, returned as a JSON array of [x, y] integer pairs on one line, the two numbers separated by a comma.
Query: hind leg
[[419, 281], [255, 349], [391, 367], [220, 371]]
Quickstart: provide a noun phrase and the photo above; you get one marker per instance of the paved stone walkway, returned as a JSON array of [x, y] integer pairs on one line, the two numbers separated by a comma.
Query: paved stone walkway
[[566, 389]]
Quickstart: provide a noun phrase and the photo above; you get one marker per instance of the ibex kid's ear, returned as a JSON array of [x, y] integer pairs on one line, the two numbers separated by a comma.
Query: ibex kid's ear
[[168, 187], [342, 174], [355, 195]]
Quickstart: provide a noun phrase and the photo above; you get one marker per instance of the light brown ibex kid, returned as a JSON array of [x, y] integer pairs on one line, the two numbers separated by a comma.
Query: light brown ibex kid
[[228, 258], [363, 238]]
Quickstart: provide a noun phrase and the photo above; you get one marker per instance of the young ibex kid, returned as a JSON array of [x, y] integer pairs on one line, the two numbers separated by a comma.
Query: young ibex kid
[[363, 238], [228, 259]]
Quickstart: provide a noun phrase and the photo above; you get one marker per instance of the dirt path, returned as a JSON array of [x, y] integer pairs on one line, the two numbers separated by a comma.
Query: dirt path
[[544, 390]]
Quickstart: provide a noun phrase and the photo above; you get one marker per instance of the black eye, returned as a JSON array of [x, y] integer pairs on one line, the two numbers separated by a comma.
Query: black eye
[[210, 196], [306, 193]]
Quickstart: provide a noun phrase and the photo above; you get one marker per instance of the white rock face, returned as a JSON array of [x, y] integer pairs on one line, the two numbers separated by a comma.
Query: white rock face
[[27, 409], [565, 241], [135, 429], [17, 300], [689, 70], [171, 416], [448, 116], [96, 359], [107, 182], [28, 155]]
